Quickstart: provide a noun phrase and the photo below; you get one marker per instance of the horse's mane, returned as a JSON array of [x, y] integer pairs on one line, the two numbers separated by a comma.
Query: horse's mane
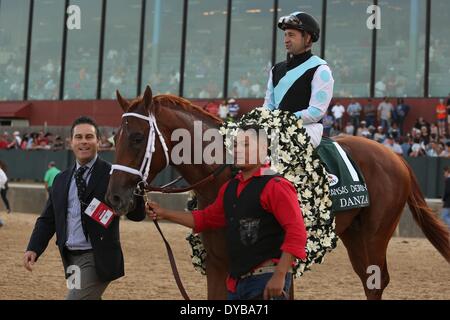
[[168, 99]]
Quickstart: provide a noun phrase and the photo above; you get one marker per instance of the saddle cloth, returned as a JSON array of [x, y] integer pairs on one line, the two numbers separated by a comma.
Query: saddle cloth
[[348, 189]]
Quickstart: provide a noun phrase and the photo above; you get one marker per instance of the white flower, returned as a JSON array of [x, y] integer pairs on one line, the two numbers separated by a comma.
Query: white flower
[[265, 113], [318, 190], [285, 156], [291, 130], [325, 215], [223, 131], [326, 241], [279, 167], [307, 194], [294, 179], [301, 138], [312, 246], [276, 122]]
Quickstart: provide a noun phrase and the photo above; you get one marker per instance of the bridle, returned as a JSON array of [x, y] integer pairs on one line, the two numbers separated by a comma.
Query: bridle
[[143, 187], [144, 170]]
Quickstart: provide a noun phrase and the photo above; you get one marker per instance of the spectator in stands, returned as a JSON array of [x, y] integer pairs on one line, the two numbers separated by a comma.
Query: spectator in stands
[[406, 144], [223, 110], [354, 111], [212, 108], [349, 129], [233, 109], [50, 175], [445, 150], [4, 186], [420, 122], [441, 115], [370, 113], [445, 214], [394, 131], [105, 144], [385, 110], [442, 150], [434, 130], [401, 112], [3, 142], [380, 88], [363, 131], [17, 140], [417, 149], [327, 122], [58, 144], [338, 111], [24, 143], [111, 139], [335, 130], [379, 136], [424, 135], [393, 145], [432, 149]]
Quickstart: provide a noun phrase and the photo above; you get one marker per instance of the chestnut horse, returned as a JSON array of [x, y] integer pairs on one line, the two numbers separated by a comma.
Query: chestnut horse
[[365, 232]]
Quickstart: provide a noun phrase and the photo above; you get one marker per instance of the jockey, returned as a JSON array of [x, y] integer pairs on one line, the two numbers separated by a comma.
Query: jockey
[[303, 84]]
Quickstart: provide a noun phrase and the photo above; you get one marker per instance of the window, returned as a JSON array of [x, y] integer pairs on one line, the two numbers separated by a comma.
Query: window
[[81, 72], [13, 50], [46, 46], [348, 47], [205, 49], [121, 52], [400, 49], [162, 53], [439, 49], [250, 48]]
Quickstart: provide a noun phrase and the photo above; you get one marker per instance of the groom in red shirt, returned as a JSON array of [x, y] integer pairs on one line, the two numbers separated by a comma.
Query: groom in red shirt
[[265, 231]]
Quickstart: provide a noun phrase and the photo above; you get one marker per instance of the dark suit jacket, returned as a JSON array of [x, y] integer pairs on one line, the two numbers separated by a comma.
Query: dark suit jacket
[[105, 242]]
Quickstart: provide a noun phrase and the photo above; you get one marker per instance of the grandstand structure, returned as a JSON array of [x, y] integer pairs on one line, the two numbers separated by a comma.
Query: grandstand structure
[[209, 50]]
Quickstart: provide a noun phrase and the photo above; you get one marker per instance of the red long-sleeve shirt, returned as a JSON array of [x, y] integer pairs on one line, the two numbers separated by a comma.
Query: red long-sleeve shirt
[[279, 198]]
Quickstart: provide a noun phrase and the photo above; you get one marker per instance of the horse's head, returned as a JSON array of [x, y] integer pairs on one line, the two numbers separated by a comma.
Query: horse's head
[[140, 154]]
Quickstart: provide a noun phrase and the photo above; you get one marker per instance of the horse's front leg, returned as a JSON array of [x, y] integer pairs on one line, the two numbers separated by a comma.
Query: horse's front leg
[[216, 264]]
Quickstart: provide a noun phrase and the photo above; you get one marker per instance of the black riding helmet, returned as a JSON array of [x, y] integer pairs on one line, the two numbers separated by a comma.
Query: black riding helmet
[[301, 21]]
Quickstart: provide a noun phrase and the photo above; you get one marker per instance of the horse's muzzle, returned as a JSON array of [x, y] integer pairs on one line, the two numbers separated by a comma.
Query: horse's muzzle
[[121, 203]]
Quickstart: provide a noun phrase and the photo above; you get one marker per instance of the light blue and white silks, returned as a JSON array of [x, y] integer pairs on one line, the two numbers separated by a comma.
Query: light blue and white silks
[[321, 95]]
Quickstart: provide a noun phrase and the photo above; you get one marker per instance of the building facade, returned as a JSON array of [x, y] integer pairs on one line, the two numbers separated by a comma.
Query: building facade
[[214, 49]]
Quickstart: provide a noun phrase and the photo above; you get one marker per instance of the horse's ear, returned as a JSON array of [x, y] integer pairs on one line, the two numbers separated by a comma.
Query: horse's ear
[[148, 96], [123, 102]]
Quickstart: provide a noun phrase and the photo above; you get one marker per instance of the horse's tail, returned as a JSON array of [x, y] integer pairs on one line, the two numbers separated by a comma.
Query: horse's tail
[[433, 228]]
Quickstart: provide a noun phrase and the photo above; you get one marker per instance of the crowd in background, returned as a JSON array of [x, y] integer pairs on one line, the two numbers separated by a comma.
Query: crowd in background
[[385, 123], [45, 141]]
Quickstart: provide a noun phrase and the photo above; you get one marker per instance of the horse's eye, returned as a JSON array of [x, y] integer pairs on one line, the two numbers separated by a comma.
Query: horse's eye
[[136, 138]]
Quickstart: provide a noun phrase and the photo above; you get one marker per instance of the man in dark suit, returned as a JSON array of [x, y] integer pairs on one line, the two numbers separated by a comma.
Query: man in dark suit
[[91, 254]]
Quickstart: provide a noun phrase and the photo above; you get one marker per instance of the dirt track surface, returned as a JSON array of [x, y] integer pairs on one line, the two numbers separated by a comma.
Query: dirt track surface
[[417, 270]]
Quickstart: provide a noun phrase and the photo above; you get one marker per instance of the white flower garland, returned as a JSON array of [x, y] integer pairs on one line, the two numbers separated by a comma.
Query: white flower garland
[[295, 159]]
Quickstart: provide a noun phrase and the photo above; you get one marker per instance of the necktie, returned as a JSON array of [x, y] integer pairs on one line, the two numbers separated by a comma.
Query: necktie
[[81, 189]]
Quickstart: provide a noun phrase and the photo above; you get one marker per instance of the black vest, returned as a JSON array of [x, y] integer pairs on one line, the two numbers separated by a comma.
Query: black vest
[[298, 96], [253, 235]]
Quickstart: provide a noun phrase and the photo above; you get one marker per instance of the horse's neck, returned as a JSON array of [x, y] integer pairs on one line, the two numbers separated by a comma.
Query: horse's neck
[[206, 193]]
